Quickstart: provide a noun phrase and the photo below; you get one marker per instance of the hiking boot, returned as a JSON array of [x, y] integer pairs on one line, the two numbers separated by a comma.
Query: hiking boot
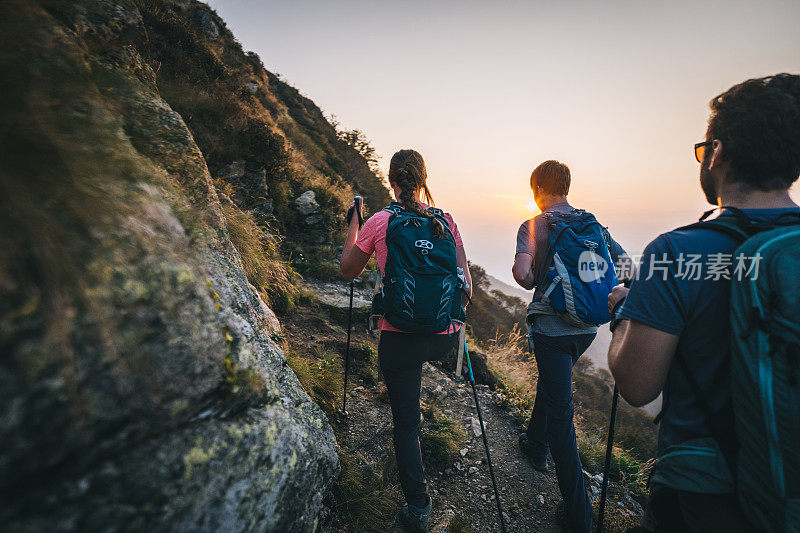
[[539, 463], [414, 518]]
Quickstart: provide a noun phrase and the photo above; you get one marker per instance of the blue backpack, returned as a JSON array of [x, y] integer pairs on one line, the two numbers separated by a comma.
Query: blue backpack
[[580, 273], [421, 289]]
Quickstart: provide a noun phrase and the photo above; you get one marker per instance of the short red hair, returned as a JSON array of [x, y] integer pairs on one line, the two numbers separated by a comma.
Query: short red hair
[[553, 177]]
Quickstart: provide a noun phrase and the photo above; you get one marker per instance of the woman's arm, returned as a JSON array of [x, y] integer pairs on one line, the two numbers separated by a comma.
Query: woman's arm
[[353, 260]]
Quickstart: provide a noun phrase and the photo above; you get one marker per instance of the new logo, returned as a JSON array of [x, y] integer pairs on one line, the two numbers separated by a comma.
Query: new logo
[[591, 267]]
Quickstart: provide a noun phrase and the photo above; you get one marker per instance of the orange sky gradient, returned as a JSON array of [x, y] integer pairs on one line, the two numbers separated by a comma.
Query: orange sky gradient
[[486, 91]]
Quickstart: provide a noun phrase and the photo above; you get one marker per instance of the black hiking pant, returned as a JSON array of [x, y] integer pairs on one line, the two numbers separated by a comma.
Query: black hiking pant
[[401, 356], [551, 425]]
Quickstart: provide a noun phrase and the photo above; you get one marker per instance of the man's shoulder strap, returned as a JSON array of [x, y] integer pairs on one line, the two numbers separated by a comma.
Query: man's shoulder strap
[[738, 225], [735, 224], [725, 225]]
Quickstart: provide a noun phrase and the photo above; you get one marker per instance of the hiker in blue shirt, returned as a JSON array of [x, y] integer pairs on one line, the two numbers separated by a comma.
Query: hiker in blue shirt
[[672, 328], [556, 340]]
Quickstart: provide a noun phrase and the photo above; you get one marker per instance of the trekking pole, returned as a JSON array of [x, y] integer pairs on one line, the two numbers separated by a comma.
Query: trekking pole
[[609, 448], [483, 433], [607, 466], [347, 350], [355, 210], [609, 445]]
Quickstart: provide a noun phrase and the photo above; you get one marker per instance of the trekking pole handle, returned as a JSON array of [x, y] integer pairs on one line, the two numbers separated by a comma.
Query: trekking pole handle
[[358, 203]]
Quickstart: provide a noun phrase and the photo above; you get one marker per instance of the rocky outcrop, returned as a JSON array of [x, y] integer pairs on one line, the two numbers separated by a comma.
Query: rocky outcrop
[[141, 389], [306, 203]]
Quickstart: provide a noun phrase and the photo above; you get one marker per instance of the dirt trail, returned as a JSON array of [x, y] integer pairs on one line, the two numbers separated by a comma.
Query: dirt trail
[[462, 491], [465, 488]]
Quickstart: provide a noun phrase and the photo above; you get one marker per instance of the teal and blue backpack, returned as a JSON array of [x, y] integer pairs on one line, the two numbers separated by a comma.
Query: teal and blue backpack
[[580, 273], [421, 290], [765, 369]]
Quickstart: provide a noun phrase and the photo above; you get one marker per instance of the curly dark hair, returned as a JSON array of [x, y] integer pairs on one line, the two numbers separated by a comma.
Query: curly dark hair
[[758, 123], [407, 170]]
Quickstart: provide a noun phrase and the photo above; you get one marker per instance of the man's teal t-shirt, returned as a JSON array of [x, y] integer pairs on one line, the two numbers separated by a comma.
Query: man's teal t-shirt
[[696, 308]]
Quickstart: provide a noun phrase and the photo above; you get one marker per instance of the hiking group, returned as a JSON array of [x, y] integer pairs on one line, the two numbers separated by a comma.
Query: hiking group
[[711, 321]]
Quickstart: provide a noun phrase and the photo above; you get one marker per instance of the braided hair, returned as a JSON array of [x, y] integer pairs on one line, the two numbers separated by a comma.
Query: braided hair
[[407, 170]]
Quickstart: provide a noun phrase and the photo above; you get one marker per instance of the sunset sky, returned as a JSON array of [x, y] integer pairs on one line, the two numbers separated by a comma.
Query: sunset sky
[[485, 91]]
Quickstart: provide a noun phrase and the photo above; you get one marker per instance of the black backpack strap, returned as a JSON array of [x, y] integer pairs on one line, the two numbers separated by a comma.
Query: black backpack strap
[[394, 208], [736, 224], [543, 258], [726, 225]]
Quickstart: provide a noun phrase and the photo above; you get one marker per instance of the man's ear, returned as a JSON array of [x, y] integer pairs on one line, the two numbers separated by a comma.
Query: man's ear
[[716, 154]]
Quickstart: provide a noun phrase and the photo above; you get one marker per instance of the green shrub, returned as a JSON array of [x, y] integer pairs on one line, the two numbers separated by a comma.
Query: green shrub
[[321, 377], [283, 303], [625, 469], [363, 352], [441, 438]]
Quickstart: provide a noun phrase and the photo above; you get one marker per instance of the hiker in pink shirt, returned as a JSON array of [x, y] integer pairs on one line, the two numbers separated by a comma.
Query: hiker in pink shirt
[[401, 353]]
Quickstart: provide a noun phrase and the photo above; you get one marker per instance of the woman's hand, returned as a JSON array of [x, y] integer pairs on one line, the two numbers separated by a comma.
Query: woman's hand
[[353, 260], [354, 213]]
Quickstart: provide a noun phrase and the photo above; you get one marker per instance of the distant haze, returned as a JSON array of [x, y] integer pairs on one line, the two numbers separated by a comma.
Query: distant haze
[[487, 90]]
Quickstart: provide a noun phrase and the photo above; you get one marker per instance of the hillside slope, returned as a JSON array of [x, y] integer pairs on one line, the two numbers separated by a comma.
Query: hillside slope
[[141, 387]]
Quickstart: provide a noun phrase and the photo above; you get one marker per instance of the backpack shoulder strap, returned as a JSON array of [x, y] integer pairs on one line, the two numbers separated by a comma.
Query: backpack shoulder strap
[[394, 208], [439, 214], [726, 225], [736, 224]]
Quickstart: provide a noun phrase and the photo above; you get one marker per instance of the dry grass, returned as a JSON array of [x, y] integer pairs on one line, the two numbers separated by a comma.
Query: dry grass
[[517, 373], [363, 499], [260, 257], [512, 363]]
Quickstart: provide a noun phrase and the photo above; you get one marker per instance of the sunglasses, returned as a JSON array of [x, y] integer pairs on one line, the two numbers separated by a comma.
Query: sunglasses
[[700, 150]]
